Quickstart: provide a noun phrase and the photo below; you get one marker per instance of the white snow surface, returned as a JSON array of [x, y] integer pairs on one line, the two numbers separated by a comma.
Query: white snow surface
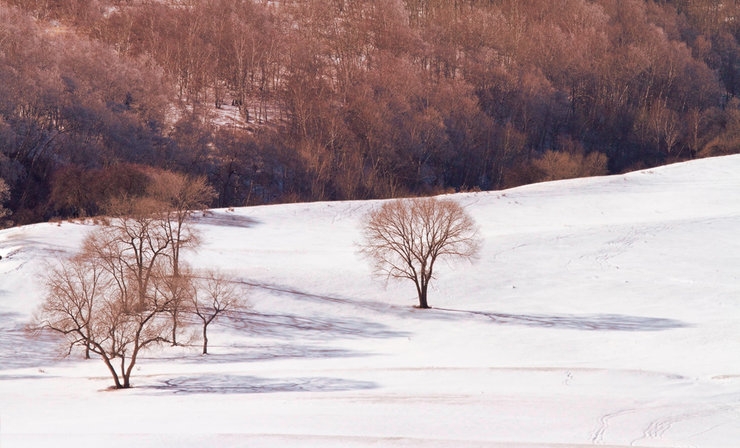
[[601, 311]]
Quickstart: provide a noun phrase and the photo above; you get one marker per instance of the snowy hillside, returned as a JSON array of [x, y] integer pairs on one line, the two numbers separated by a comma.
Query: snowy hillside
[[602, 311]]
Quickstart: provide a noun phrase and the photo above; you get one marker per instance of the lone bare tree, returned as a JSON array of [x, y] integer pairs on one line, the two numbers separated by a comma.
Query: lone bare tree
[[404, 238], [215, 296]]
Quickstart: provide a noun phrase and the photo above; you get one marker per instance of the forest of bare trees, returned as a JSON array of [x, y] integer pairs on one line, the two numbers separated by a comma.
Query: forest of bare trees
[[275, 101]]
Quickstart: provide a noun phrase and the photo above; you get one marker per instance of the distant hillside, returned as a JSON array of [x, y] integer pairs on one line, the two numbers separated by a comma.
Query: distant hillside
[[327, 100]]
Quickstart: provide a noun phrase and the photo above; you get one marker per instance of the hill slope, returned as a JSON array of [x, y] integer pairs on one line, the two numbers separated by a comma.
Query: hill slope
[[601, 311]]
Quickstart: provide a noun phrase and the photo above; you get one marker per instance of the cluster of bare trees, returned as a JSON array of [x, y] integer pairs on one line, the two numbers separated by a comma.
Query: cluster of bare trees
[[358, 99], [128, 287]]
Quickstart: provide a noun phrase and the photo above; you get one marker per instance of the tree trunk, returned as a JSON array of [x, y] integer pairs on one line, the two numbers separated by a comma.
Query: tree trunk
[[423, 295], [112, 371], [205, 339], [87, 339], [126, 374], [131, 362], [174, 328]]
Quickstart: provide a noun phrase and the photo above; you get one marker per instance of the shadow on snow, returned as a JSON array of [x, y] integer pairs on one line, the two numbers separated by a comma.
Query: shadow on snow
[[592, 322], [20, 348], [264, 353], [322, 298], [223, 219], [240, 384], [290, 326]]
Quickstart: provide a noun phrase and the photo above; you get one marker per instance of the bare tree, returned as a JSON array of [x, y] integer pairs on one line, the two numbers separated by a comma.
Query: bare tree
[[135, 245], [180, 290], [216, 295], [110, 298], [404, 238], [95, 302], [74, 290], [180, 196]]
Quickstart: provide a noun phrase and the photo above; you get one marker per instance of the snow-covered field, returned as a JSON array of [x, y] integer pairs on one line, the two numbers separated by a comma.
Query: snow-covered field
[[602, 311]]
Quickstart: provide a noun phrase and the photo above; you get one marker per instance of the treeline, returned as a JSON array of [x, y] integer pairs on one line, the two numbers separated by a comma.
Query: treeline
[[357, 99]]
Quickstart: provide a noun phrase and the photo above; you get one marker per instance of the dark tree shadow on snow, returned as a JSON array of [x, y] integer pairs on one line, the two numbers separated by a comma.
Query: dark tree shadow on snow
[[250, 353], [291, 326], [592, 322], [242, 384], [223, 218], [325, 299], [21, 348], [589, 322]]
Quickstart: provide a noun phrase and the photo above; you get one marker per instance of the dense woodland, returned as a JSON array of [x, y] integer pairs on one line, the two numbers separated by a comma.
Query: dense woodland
[[276, 101]]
